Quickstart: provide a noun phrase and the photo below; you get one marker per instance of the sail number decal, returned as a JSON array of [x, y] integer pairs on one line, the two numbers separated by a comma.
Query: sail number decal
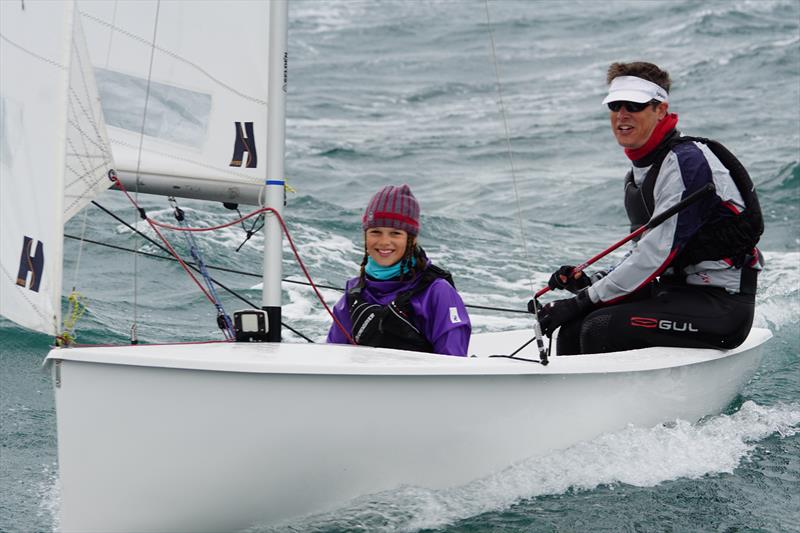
[[31, 265], [245, 142]]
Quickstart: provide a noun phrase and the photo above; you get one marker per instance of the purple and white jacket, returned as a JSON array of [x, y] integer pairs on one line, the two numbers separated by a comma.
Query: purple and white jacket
[[439, 313]]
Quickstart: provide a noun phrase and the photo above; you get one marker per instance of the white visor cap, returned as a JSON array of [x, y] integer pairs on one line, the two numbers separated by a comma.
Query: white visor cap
[[633, 89]]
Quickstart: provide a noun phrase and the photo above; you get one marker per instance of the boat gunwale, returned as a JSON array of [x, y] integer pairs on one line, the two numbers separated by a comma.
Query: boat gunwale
[[337, 359]]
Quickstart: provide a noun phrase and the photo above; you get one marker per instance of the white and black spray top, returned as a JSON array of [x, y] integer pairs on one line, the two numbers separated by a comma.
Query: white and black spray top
[[678, 246]]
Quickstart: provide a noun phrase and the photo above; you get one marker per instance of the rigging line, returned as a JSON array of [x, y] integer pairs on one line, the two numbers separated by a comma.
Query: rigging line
[[193, 267], [111, 33], [250, 274], [536, 325], [194, 250], [259, 211], [180, 260], [154, 224], [166, 243], [163, 249], [252, 231], [138, 168], [508, 137], [82, 239], [82, 162]]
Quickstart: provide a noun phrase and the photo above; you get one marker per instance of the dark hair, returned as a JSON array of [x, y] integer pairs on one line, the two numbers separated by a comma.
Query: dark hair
[[640, 69], [412, 250]]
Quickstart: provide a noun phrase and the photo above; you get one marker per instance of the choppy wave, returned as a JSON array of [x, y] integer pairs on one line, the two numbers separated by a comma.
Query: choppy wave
[[784, 186]]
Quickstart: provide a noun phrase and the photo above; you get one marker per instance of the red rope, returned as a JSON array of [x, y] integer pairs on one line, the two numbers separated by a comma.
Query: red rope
[[212, 228], [164, 240], [154, 223]]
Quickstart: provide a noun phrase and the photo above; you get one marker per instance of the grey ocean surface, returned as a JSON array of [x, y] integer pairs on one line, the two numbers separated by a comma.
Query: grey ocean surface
[[405, 92]]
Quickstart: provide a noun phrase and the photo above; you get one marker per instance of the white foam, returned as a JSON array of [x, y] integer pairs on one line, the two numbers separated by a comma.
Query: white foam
[[643, 457], [49, 492], [778, 299]]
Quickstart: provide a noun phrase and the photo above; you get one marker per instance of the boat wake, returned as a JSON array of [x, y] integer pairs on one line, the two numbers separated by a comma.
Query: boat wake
[[49, 493], [777, 304], [635, 456]]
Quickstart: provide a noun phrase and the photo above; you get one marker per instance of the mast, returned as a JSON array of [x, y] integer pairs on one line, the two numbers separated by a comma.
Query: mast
[[276, 131]]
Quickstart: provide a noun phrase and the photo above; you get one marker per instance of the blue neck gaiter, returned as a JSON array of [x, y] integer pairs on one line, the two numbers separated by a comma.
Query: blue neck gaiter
[[384, 273]]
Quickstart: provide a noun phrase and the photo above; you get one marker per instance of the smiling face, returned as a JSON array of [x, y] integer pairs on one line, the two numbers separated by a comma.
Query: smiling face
[[386, 246], [633, 129]]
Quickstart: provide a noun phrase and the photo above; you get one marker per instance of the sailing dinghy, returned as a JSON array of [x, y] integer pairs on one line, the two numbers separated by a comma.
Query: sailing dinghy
[[222, 436]]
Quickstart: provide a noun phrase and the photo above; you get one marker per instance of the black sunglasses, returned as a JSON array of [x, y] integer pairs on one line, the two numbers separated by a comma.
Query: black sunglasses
[[630, 107]]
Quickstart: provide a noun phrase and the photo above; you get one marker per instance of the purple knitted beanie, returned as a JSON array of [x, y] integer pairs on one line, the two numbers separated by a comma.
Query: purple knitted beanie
[[392, 207]]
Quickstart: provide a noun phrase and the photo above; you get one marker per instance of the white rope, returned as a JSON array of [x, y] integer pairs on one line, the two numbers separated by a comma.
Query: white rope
[[138, 169], [508, 140], [536, 327]]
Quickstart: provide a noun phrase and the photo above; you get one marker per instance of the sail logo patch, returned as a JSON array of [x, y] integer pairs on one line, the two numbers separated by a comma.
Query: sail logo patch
[[31, 266], [245, 142]]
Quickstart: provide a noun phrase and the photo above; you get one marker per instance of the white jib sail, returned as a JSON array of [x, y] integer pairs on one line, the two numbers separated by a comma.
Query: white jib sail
[[54, 154], [198, 70]]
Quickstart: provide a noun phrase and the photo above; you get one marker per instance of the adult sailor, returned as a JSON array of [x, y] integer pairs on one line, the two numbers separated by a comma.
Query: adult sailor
[[400, 299], [689, 282]]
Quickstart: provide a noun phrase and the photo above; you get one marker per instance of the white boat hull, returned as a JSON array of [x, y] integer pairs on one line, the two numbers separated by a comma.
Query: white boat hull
[[222, 436]]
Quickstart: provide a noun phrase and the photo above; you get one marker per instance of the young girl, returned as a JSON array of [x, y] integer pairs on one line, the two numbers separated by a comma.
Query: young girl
[[400, 300]]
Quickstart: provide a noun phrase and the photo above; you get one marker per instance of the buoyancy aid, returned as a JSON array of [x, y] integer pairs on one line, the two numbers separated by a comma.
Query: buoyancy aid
[[392, 325], [733, 237]]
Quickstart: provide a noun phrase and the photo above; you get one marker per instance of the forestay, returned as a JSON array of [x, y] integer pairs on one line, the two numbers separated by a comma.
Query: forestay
[[204, 96], [54, 153]]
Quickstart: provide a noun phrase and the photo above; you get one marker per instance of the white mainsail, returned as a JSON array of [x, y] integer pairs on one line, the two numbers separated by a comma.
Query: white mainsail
[[54, 153], [200, 70]]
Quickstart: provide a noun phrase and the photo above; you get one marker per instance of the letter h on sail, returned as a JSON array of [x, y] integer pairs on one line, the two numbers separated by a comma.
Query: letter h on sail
[[244, 144], [32, 265]]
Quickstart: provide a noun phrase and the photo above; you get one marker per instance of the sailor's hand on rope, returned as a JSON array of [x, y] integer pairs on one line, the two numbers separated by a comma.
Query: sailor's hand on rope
[[566, 278], [555, 314]]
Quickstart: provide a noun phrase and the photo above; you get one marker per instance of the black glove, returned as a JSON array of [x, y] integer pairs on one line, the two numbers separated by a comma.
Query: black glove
[[557, 313], [563, 278]]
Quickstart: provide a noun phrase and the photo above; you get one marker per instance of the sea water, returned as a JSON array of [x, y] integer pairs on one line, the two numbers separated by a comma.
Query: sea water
[[407, 92]]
